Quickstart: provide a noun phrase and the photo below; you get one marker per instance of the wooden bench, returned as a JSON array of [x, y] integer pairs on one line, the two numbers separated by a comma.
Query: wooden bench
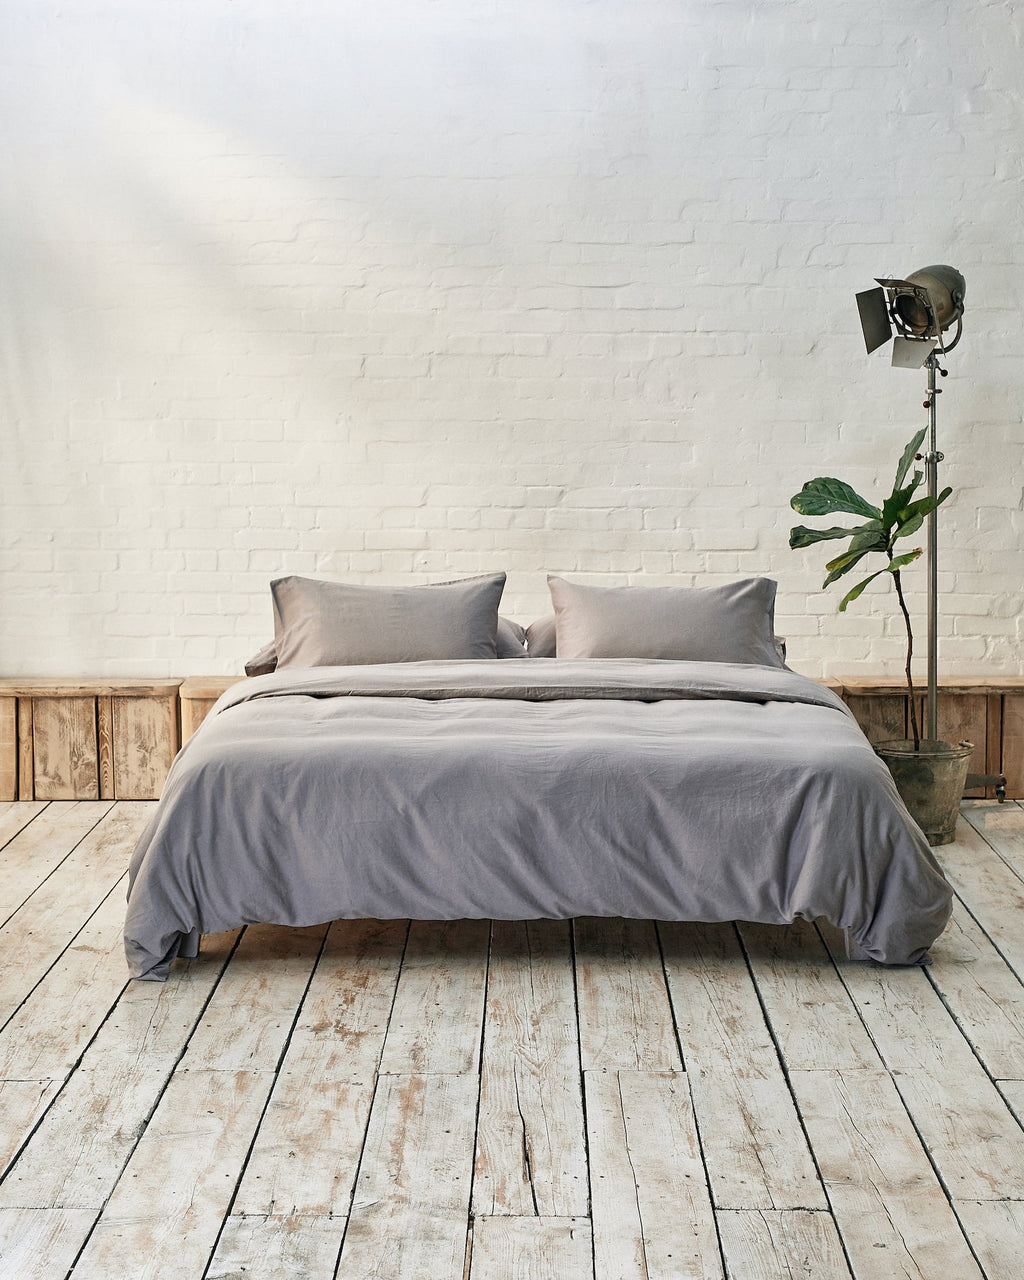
[[81, 739]]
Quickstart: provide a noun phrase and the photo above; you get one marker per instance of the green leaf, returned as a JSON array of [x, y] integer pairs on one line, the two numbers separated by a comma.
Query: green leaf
[[912, 518], [909, 453], [895, 507], [843, 564], [901, 562], [801, 536], [852, 595], [825, 494]]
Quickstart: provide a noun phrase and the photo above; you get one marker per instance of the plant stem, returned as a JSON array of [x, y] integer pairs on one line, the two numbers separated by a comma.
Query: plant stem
[[910, 653]]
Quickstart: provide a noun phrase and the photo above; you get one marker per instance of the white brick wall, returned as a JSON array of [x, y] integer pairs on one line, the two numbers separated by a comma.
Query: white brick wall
[[403, 291]]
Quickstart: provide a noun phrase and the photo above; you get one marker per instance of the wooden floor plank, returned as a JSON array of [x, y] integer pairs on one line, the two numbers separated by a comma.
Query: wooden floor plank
[[995, 1229], [892, 1214], [983, 995], [976, 1144], [36, 934], [989, 889], [306, 1155], [652, 1215], [1002, 827], [812, 1017], [79, 1150], [41, 846], [531, 1155], [15, 815], [532, 1249], [278, 1246], [756, 1152], [411, 1206], [768, 1245], [437, 1017], [624, 1011], [166, 1211], [41, 1244]]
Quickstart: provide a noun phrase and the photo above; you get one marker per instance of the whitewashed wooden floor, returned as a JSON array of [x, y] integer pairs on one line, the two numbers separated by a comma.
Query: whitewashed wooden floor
[[610, 1101]]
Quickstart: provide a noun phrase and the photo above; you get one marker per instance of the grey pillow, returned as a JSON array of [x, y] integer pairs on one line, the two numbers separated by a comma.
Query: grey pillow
[[540, 638], [320, 624], [511, 643], [733, 623]]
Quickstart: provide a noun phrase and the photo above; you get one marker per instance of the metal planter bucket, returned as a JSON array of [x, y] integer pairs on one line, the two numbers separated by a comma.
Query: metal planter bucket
[[930, 782]]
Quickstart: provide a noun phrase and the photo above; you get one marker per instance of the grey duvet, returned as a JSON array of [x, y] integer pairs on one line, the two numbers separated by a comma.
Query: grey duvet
[[531, 788]]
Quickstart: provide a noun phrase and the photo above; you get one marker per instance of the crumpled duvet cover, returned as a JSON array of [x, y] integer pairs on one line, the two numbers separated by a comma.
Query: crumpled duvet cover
[[531, 788]]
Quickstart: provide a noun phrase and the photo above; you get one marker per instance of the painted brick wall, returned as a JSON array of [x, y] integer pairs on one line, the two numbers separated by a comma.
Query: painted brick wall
[[401, 291]]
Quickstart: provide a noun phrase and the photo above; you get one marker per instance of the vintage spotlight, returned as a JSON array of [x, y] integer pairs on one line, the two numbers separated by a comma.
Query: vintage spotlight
[[920, 309]]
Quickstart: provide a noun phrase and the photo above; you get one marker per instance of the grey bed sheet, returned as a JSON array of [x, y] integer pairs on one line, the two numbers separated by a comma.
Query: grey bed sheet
[[527, 789]]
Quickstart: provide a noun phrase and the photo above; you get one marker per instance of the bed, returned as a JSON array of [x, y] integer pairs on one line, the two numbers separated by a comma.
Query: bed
[[644, 787]]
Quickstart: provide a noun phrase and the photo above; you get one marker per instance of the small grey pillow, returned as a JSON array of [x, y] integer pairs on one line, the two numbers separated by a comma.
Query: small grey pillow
[[540, 638], [734, 623], [320, 624]]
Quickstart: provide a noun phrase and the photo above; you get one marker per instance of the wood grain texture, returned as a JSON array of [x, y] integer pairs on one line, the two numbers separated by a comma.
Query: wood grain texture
[[531, 1156], [652, 1214], [532, 1249], [64, 751], [438, 1011], [278, 1246], [1013, 744], [892, 1214], [756, 1153], [411, 1205], [760, 1245], [624, 1010], [8, 749], [145, 741]]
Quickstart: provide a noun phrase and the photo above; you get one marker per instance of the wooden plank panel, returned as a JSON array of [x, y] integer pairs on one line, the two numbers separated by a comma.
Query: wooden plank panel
[[8, 749], [26, 765], [652, 1215], [438, 1012], [41, 1244], [812, 1017], [105, 745], [411, 1205], [306, 1153], [624, 1010], [882, 717], [145, 743], [42, 927], [760, 1245], [64, 750], [892, 1214], [277, 1246], [995, 1229], [531, 1157], [193, 712], [756, 1153], [1013, 744], [964, 716], [167, 1209], [958, 1112], [532, 1249]]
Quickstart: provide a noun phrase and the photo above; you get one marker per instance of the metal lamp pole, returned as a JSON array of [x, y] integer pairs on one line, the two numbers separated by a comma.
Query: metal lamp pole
[[931, 463]]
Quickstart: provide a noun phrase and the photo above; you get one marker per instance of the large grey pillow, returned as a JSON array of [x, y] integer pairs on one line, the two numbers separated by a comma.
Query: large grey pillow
[[319, 624], [733, 623], [511, 642]]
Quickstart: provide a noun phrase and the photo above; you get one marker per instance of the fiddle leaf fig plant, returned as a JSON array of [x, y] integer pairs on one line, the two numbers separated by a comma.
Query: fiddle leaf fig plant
[[900, 516]]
